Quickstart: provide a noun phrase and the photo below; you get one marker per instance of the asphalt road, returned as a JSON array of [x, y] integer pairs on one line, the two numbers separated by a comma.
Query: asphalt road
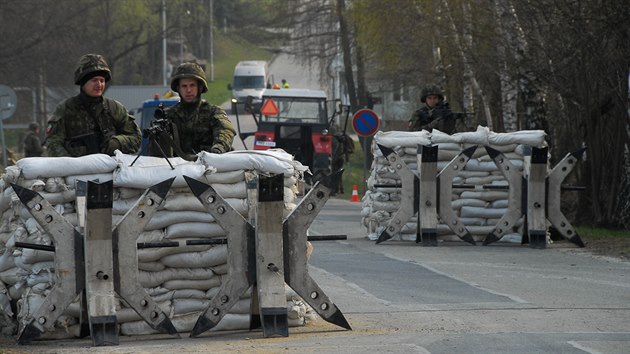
[[400, 297]]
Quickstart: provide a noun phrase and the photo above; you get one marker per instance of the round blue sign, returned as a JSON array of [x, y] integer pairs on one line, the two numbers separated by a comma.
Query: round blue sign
[[365, 122]]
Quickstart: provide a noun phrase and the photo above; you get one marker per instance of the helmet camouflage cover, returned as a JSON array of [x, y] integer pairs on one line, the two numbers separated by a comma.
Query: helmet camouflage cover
[[90, 65], [189, 71], [431, 90]]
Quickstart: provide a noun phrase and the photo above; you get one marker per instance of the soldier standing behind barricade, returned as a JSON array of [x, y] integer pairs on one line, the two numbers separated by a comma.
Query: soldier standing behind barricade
[[435, 113], [195, 124], [90, 123], [32, 143]]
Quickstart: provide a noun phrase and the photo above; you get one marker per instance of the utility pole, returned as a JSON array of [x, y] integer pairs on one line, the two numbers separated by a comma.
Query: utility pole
[[211, 42], [164, 62]]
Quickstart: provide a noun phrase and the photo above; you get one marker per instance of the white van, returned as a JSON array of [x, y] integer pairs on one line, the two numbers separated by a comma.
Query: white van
[[250, 78]]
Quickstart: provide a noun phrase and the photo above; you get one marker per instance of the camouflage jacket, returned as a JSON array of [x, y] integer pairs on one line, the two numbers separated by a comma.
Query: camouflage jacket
[[32, 145], [83, 125], [438, 117], [199, 127]]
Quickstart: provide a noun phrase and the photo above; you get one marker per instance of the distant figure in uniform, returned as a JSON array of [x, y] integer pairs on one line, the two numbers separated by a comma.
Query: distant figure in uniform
[[90, 123], [435, 113], [32, 143], [195, 124], [285, 84]]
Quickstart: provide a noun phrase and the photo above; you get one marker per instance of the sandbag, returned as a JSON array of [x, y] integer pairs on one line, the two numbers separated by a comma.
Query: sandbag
[[41, 167]]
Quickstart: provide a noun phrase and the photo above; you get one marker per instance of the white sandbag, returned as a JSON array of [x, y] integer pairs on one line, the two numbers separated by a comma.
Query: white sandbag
[[126, 193], [209, 258], [41, 167], [7, 261], [473, 221], [273, 161], [145, 177], [387, 206], [459, 203], [122, 206], [162, 218], [10, 276], [151, 266], [184, 306], [153, 254], [220, 269], [183, 201], [534, 138], [36, 185], [478, 137], [31, 256], [59, 197], [402, 138], [225, 176], [71, 181], [234, 190], [153, 279], [476, 212], [501, 203], [186, 323], [194, 230], [483, 180], [488, 195]]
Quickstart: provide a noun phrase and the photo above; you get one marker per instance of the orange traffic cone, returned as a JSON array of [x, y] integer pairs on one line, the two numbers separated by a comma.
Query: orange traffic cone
[[355, 194]]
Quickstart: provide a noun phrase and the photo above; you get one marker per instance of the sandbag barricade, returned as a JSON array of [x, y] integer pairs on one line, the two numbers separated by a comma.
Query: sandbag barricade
[[501, 192], [180, 280]]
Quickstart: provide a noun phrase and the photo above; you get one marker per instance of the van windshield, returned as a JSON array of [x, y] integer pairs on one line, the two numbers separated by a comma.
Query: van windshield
[[249, 82]]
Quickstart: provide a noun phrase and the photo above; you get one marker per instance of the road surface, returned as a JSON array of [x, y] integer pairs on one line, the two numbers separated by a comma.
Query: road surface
[[400, 297]]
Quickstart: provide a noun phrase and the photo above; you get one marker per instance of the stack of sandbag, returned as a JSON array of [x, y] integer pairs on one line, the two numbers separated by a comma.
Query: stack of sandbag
[[479, 209], [182, 280]]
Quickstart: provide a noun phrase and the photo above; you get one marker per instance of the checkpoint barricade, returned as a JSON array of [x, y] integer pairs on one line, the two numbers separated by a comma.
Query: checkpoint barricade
[[138, 258], [530, 195]]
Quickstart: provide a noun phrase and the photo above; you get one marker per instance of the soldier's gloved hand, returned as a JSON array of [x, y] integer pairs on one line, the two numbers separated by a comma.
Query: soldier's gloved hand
[[216, 150], [112, 146]]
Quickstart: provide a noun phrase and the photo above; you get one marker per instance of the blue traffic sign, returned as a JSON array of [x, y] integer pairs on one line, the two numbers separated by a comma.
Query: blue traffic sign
[[365, 122]]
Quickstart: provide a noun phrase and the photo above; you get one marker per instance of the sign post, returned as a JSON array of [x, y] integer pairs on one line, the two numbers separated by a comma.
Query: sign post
[[8, 104], [365, 123]]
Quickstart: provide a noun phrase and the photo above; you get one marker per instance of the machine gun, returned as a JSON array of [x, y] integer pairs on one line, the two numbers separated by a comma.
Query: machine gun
[[161, 129], [443, 112]]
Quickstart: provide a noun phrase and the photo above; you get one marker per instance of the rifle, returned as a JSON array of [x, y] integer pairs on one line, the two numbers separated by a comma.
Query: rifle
[[90, 141]]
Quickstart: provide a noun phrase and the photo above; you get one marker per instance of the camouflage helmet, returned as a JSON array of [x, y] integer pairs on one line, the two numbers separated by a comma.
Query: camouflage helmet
[[431, 90], [91, 65], [189, 71]]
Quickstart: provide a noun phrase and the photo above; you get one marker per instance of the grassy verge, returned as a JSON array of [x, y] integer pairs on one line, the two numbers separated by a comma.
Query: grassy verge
[[614, 243], [229, 49]]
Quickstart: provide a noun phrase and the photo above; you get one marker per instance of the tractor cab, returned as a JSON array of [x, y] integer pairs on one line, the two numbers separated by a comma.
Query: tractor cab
[[295, 120]]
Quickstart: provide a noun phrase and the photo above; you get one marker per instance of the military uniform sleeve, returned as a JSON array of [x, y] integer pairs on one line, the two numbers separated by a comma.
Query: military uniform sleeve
[[223, 131], [127, 131], [56, 133]]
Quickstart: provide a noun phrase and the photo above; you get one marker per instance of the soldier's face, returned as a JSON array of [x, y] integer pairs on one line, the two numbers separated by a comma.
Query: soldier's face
[[188, 89], [432, 100], [95, 86]]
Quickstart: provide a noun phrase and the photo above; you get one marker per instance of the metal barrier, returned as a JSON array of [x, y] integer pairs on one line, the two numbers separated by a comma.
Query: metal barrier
[[98, 260], [534, 196]]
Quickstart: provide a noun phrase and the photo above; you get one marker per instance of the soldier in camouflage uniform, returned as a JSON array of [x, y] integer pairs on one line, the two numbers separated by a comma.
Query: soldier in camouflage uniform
[[196, 125], [435, 113], [32, 143], [90, 123]]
